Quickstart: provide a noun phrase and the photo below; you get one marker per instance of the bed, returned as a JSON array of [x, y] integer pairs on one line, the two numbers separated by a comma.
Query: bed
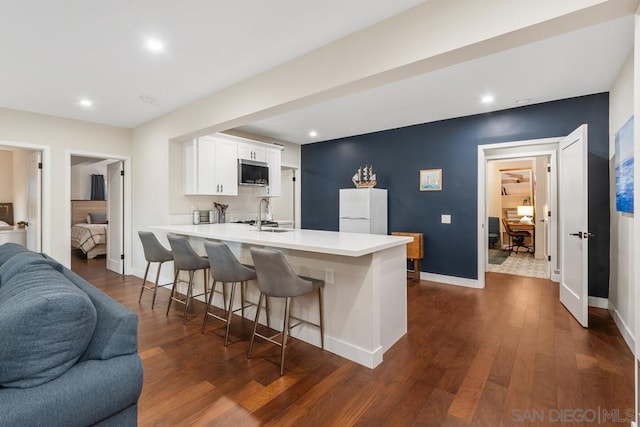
[[90, 239]]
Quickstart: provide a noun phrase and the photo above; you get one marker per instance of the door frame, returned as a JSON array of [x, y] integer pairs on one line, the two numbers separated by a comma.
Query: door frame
[[126, 201], [512, 150], [45, 215]]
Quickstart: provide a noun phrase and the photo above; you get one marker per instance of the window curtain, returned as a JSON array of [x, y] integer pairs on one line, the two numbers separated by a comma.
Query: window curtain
[[97, 187]]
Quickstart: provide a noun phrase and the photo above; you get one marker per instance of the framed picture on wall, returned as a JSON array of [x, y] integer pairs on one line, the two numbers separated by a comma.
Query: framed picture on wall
[[624, 167], [431, 180]]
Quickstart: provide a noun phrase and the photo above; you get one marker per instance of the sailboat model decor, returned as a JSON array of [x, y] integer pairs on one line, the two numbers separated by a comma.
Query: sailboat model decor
[[364, 177]]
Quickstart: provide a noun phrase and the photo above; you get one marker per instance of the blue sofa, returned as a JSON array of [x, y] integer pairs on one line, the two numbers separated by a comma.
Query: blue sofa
[[68, 352]]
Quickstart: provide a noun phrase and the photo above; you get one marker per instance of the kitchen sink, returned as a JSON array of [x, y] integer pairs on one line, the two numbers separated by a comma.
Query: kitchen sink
[[274, 230]]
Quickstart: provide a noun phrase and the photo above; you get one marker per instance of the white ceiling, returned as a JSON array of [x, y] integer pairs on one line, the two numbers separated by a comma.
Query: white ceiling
[[55, 53], [582, 62]]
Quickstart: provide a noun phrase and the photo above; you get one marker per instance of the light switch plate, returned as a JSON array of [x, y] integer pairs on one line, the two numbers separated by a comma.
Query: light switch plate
[[446, 219]]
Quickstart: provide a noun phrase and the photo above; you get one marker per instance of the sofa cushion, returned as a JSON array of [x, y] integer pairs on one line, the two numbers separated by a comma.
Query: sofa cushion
[[46, 324], [26, 261], [10, 249]]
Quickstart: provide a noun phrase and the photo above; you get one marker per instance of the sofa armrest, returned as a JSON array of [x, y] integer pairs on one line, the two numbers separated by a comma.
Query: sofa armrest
[[86, 394]]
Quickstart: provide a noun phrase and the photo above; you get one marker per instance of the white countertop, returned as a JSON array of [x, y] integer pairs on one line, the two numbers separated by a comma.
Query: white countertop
[[327, 242]]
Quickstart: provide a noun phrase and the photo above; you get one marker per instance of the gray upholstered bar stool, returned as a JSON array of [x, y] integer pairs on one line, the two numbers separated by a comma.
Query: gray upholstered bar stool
[[186, 259], [225, 268], [153, 252], [277, 279]]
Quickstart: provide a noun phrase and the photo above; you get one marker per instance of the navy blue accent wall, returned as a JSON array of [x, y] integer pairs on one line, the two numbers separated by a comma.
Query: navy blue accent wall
[[397, 156]]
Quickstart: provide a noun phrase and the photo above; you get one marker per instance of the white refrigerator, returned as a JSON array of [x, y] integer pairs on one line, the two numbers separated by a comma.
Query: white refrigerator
[[363, 210]]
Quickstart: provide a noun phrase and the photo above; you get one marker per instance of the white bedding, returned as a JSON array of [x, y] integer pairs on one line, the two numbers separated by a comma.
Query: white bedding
[[87, 236]]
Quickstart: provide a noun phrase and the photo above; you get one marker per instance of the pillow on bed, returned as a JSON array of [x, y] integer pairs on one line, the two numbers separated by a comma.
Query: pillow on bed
[[4, 224], [98, 218]]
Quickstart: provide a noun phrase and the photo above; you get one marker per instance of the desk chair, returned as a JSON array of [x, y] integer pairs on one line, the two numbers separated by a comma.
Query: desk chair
[[516, 237], [494, 231]]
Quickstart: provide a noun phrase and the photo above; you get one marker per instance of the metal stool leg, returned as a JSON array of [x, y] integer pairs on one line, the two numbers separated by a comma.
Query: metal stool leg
[[255, 326], [230, 312], [321, 306], [243, 285], [206, 309], [266, 307], [285, 333], [155, 288], [188, 298], [205, 283], [144, 281], [173, 291]]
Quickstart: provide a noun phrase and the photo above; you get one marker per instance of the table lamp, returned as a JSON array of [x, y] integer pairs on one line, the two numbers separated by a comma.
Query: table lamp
[[526, 212]]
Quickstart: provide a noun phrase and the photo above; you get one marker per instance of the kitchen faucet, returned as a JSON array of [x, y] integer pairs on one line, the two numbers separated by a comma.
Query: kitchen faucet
[[259, 219]]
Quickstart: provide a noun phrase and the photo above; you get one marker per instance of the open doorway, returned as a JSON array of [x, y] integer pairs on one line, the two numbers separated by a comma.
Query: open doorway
[[283, 208], [517, 197], [97, 213], [21, 196]]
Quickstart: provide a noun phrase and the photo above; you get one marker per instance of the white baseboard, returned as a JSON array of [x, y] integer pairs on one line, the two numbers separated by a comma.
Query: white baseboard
[[623, 328], [451, 280], [351, 352], [599, 302]]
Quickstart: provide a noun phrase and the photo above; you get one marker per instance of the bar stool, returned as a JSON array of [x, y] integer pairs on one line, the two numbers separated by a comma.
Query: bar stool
[[186, 259], [153, 252], [225, 268], [277, 279]]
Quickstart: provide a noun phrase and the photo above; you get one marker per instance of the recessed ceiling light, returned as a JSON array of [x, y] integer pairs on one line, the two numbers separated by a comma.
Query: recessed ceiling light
[[313, 133], [154, 45], [86, 103], [487, 99]]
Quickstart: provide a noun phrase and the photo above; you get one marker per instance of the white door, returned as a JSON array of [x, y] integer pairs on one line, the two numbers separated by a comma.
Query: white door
[[34, 202], [574, 291], [115, 227]]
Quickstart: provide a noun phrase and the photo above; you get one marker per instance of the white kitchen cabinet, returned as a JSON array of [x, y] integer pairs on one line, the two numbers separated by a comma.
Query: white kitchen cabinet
[[251, 152], [210, 166], [273, 158]]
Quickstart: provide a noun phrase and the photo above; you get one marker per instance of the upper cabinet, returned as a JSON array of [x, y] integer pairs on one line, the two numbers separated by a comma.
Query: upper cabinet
[[210, 166], [274, 160], [251, 152]]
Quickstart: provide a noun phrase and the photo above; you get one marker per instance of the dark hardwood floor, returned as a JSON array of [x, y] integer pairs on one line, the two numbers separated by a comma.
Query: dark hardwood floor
[[494, 357]]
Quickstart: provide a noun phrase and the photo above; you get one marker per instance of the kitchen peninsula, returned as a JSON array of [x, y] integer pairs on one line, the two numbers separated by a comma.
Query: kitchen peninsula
[[365, 297]]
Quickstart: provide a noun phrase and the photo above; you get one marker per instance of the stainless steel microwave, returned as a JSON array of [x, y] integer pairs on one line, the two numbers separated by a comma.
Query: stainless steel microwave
[[251, 172]]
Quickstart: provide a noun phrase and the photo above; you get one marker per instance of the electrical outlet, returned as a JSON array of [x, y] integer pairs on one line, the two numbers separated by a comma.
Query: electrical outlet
[[445, 219], [329, 276]]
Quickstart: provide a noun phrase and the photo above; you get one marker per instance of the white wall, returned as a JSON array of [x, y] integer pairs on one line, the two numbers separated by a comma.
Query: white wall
[[81, 178], [621, 279], [6, 176], [60, 135]]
